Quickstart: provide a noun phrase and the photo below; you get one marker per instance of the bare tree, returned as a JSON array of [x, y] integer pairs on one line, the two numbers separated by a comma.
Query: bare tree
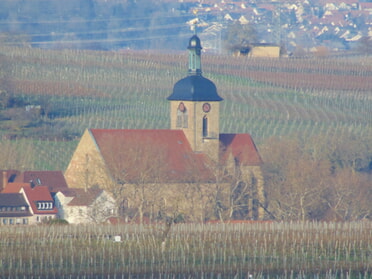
[[239, 36], [295, 180], [320, 178], [237, 190], [348, 195]]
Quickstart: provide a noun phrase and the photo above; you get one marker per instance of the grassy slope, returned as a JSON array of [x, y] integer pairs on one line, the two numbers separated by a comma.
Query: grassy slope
[[83, 89]]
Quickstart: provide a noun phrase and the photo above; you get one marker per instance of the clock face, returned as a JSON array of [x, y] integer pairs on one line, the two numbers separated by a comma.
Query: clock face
[[181, 107], [206, 107]]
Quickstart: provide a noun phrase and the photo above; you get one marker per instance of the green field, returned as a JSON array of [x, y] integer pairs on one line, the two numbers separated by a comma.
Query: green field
[[78, 89]]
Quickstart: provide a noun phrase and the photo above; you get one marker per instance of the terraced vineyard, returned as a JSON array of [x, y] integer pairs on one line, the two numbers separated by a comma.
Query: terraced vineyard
[[77, 89]]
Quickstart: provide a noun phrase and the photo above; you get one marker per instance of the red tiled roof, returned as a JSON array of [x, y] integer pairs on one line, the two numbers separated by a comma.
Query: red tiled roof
[[37, 194], [82, 197], [15, 187], [151, 155], [269, 7], [53, 179], [9, 176], [242, 148]]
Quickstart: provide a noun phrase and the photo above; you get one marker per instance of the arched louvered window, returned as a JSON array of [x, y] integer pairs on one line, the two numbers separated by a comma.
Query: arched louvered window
[[205, 126], [182, 117]]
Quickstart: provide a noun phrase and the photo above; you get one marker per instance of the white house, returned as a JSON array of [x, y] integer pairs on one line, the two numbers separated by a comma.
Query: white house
[[85, 205]]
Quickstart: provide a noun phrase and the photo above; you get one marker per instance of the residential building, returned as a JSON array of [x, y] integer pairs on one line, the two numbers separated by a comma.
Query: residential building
[[54, 180], [6, 177], [78, 206], [14, 209], [39, 201], [259, 50]]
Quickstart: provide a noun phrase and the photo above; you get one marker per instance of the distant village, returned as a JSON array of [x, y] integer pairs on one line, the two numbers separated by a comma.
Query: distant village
[[38, 197], [310, 26], [298, 27]]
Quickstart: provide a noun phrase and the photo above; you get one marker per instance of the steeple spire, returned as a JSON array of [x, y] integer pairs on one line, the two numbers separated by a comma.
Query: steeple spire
[[194, 48]]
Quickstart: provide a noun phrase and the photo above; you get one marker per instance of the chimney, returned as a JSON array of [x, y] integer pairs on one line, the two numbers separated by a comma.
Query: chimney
[[5, 180]]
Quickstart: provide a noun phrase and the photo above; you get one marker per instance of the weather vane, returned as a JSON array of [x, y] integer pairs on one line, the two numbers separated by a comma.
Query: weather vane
[[195, 21]]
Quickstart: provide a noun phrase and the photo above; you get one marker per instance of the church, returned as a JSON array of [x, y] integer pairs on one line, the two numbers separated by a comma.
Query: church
[[190, 172]]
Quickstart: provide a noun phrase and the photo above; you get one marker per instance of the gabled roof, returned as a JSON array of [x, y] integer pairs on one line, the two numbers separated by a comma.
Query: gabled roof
[[150, 155], [82, 197], [15, 187], [39, 194], [241, 147], [17, 202], [53, 179], [85, 198], [12, 199]]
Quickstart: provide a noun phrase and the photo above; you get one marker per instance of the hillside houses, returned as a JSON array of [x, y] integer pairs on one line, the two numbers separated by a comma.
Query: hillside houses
[[39, 201], [14, 209], [335, 24], [36, 197]]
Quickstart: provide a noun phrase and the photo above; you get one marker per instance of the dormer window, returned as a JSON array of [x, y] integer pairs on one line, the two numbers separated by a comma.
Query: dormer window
[[44, 205]]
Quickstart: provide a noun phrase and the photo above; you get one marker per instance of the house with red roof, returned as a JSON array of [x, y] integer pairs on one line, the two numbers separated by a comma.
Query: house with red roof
[[7, 176], [14, 209], [54, 180], [38, 198], [190, 170]]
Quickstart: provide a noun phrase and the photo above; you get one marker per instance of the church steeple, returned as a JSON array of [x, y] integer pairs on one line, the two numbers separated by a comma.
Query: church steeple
[[195, 105], [194, 87], [194, 48]]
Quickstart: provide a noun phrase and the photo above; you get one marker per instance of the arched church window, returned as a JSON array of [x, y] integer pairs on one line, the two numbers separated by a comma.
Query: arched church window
[[182, 116], [205, 126]]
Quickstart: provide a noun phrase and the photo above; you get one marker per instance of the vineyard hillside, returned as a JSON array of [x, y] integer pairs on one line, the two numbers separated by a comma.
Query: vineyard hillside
[[49, 97]]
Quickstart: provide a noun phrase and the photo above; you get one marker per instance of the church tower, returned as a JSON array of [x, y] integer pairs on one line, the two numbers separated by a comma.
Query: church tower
[[195, 107]]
